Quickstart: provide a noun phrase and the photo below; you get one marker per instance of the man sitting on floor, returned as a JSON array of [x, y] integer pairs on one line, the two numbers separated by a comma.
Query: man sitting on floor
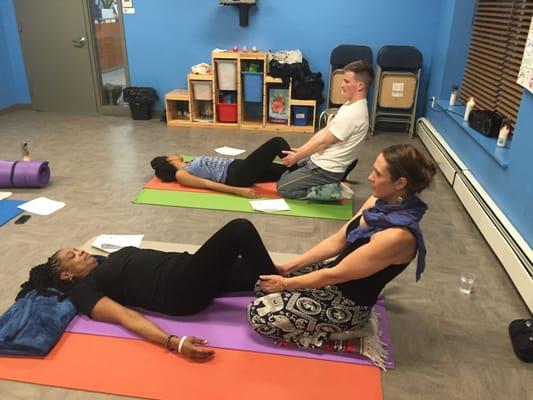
[[332, 149]]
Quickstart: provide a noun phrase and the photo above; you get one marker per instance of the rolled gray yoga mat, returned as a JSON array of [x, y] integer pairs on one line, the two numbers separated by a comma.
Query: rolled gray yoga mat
[[24, 173]]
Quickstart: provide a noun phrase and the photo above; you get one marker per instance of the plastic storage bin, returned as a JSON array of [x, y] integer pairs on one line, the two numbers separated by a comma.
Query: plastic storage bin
[[253, 111], [202, 90], [252, 83], [140, 100], [227, 112], [227, 74], [300, 115]]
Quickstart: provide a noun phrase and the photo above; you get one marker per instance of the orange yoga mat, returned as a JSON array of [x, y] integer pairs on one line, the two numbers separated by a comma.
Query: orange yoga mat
[[137, 368], [265, 189]]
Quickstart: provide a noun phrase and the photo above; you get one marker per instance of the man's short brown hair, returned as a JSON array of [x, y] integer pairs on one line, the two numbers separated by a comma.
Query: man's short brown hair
[[362, 70]]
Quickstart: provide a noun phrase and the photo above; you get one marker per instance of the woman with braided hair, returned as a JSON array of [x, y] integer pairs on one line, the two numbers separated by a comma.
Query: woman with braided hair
[[170, 283]]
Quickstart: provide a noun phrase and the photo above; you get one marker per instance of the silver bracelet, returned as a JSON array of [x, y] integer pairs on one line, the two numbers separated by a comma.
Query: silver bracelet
[[180, 345]]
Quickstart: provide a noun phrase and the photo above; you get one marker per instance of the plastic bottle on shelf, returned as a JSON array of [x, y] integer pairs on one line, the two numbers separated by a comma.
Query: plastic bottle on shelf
[[235, 48], [469, 106], [453, 95], [244, 49], [504, 133], [254, 49]]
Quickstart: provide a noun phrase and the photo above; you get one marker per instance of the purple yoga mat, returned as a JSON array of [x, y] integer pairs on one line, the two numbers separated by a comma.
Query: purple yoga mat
[[24, 173], [224, 324]]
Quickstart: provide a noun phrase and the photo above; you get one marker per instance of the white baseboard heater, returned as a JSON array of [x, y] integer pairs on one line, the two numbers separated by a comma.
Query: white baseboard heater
[[509, 246]]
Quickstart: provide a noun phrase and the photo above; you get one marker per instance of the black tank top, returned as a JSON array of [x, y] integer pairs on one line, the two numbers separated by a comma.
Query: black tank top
[[365, 291]]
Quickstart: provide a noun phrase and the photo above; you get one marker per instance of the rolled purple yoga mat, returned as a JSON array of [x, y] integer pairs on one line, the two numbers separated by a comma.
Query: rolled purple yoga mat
[[24, 173]]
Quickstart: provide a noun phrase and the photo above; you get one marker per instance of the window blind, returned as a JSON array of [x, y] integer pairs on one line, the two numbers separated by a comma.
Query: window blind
[[499, 34]]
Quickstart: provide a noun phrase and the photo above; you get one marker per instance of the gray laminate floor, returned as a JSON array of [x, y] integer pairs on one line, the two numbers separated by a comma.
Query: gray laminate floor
[[446, 345]]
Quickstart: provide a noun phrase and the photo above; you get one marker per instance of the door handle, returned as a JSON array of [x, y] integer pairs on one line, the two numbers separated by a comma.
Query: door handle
[[79, 42]]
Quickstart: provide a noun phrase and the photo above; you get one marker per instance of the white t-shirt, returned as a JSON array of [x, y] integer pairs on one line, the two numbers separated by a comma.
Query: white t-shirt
[[350, 126]]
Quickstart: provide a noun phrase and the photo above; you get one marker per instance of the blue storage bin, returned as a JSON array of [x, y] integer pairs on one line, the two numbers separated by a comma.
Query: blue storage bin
[[252, 83], [300, 115]]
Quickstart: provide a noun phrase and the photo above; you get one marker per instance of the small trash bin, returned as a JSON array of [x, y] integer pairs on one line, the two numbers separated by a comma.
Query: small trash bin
[[140, 100]]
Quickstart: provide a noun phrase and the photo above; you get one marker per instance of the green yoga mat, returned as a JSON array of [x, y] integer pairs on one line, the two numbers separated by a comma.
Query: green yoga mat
[[227, 202]]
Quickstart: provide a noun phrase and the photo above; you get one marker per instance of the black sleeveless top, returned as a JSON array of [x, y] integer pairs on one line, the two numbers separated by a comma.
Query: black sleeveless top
[[365, 291]]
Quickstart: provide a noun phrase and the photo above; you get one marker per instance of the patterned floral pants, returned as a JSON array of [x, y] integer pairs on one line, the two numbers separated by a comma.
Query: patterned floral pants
[[305, 317]]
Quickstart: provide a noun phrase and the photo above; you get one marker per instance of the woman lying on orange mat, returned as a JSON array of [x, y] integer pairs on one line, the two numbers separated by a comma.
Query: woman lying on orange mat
[[225, 174], [170, 283]]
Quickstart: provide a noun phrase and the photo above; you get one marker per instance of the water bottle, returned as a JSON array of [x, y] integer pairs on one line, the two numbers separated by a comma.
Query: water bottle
[[469, 106], [504, 133], [453, 95]]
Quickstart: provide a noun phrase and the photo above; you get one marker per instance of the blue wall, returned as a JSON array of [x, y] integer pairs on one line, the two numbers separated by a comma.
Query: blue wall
[[166, 37], [164, 41], [451, 47], [512, 187], [13, 83]]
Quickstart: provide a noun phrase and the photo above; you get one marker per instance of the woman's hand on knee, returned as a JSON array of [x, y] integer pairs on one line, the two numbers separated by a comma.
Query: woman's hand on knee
[[192, 348]]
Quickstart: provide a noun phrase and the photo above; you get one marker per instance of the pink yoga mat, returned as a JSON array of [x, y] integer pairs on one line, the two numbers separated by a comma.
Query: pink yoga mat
[[224, 325]]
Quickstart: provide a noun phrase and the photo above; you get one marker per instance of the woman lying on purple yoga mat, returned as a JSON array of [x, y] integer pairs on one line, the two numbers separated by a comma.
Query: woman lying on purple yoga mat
[[316, 296], [170, 283], [225, 174]]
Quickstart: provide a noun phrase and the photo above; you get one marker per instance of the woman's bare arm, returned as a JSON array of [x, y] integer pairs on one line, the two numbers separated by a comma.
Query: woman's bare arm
[[185, 178], [388, 247], [108, 310]]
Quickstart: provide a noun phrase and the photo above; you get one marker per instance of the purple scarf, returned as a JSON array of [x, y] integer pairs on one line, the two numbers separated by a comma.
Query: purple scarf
[[384, 215]]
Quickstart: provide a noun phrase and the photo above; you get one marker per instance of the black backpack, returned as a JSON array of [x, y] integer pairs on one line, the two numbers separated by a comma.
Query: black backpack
[[306, 85], [521, 334], [309, 88], [296, 71]]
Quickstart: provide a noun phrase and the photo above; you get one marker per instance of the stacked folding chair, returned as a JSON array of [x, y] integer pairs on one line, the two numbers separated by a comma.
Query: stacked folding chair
[[397, 82]]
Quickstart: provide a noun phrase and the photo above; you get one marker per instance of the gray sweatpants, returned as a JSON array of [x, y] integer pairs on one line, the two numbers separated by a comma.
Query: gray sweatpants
[[295, 184]]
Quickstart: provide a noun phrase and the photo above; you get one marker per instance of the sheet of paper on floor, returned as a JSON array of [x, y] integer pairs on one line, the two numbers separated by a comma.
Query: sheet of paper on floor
[[229, 151], [42, 206], [111, 243], [270, 205]]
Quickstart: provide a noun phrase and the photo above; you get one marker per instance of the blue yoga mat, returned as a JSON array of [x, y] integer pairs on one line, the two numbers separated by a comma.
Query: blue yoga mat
[[9, 209]]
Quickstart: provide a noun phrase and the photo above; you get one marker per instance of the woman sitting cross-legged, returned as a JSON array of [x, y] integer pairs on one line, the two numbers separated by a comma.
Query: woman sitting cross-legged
[[170, 283], [312, 298], [225, 174]]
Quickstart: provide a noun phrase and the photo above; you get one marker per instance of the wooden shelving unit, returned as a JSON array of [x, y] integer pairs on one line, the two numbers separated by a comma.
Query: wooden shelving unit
[[183, 108]]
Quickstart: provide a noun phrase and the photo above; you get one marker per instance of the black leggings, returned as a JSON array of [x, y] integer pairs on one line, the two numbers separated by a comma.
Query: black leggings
[[258, 166], [230, 261]]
